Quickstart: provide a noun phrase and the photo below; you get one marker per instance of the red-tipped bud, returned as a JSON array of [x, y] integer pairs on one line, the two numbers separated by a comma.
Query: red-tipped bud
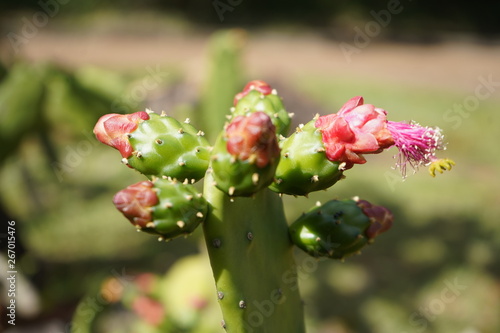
[[135, 202], [258, 85], [112, 130], [253, 137], [380, 218], [355, 130]]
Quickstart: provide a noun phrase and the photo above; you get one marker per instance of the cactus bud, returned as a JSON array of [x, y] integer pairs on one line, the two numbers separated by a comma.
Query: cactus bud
[[245, 157], [303, 166], [162, 207], [339, 228], [113, 129], [259, 96]]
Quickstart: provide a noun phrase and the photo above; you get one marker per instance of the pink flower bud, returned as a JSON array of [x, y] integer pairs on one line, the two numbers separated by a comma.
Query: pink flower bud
[[149, 310], [258, 85], [136, 201], [112, 130], [380, 218], [253, 137], [355, 130]]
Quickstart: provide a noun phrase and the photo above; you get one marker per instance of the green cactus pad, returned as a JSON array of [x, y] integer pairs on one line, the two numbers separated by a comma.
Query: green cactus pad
[[236, 177], [180, 210], [335, 230], [303, 166], [164, 146], [271, 104]]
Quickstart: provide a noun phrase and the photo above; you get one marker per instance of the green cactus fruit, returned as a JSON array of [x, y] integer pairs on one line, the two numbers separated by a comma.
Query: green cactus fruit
[[259, 96], [156, 145], [303, 166], [339, 228], [245, 156], [162, 207]]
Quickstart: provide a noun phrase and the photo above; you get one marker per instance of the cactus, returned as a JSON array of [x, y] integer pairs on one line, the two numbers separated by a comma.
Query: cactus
[[339, 228], [246, 233], [156, 145]]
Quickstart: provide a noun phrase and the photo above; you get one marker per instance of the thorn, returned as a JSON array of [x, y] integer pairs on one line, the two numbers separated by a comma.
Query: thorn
[[314, 178], [163, 114], [189, 197], [286, 154], [182, 163], [318, 204], [355, 198], [214, 183], [214, 157], [232, 109], [154, 179], [276, 115], [342, 166], [255, 178], [231, 190], [150, 225], [318, 239], [278, 181], [291, 114], [193, 180], [231, 199], [262, 96], [161, 239], [223, 324], [360, 236], [216, 243], [169, 205], [220, 295], [301, 126], [197, 150], [232, 160], [138, 154], [186, 181], [358, 253], [280, 195], [200, 133], [316, 116], [320, 150], [138, 229], [199, 214], [274, 92], [125, 161], [180, 224], [180, 130], [187, 121], [249, 236], [282, 137], [199, 195], [228, 117], [149, 111], [330, 252], [242, 304]]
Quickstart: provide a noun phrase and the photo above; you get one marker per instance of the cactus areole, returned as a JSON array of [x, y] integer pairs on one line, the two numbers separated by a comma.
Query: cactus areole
[[253, 162]]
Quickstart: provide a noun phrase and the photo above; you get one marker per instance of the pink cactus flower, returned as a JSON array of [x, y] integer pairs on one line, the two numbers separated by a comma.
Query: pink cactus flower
[[355, 130], [135, 203], [253, 137], [258, 85], [359, 129], [112, 130]]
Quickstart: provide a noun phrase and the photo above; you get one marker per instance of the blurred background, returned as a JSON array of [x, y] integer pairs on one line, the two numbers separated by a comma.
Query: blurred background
[[83, 268]]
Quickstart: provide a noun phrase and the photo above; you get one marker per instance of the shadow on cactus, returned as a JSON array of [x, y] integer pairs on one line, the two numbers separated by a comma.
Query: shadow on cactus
[[253, 163]]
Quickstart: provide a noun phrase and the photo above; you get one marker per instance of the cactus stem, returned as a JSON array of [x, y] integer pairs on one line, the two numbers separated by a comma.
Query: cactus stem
[[255, 178], [180, 224], [242, 304]]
